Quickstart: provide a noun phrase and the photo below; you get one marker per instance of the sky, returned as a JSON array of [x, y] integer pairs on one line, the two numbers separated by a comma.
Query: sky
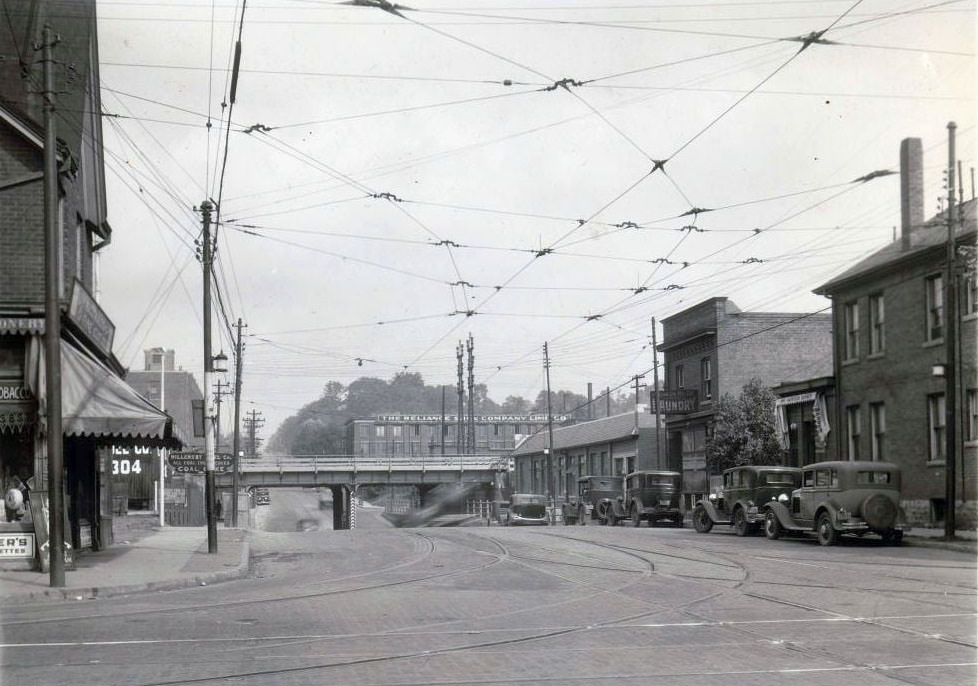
[[528, 172]]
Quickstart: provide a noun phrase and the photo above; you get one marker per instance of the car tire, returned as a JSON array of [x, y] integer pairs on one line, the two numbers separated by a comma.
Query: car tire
[[636, 517], [824, 531], [701, 520], [772, 527], [740, 525], [879, 512]]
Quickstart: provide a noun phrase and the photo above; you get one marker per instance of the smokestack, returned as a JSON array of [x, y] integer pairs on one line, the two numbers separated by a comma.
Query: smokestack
[[911, 188]]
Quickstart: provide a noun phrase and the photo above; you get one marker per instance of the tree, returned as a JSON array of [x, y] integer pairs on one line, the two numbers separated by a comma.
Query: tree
[[515, 404], [744, 431]]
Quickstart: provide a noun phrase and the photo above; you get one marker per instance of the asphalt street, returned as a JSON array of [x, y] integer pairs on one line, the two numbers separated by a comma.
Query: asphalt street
[[544, 605]]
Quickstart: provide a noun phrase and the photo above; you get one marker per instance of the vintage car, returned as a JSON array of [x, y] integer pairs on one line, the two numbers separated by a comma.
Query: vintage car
[[649, 495], [742, 497], [527, 509], [593, 500], [837, 498]]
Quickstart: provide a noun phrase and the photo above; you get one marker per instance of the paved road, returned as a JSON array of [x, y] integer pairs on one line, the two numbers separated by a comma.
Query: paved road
[[562, 605]]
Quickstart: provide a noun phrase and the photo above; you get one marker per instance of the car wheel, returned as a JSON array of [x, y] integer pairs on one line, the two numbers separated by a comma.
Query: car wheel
[[740, 522], [824, 531], [772, 527], [701, 520], [636, 518], [879, 512]]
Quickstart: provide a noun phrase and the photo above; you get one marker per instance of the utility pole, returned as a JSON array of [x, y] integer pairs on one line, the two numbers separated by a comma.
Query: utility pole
[[460, 390], [221, 389], [470, 347], [162, 493], [209, 489], [950, 339], [254, 420], [551, 491], [52, 325], [442, 425], [658, 413], [235, 485]]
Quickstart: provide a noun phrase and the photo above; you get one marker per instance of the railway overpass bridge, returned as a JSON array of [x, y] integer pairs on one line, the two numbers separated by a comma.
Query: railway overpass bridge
[[345, 474]]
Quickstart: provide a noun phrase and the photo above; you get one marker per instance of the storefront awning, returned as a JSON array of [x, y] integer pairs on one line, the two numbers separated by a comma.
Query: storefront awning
[[96, 402]]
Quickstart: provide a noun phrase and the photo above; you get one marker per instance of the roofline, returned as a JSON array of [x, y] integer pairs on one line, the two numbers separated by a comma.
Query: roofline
[[25, 128]]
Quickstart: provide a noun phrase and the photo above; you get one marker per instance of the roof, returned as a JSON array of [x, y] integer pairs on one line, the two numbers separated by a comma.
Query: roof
[[923, 239], [604, 430]]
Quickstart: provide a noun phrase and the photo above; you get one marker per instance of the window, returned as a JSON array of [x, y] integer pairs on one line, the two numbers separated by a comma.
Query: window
[[970, 294], [935, 413], [972, 427], [706, 378], [680, 377], [877, 340], [935, 307], [877, 427], [852, 428], [380, 431], [397, 431], [851, 314]]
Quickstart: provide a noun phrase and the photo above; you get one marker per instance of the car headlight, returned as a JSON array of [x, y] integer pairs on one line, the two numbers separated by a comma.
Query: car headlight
[[783, 498], [713, 497]]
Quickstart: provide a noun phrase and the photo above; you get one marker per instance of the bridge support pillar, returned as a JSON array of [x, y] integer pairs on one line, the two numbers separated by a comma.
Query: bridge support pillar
[[423, 491], [341, 507]]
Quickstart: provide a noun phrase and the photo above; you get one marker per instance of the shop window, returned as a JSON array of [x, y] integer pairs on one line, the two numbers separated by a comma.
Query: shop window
[[877, 318], [936, 410], [934, 286]]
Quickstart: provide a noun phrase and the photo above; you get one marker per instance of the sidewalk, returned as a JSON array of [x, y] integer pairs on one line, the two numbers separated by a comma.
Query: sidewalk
[[164, 559], [967, 539]]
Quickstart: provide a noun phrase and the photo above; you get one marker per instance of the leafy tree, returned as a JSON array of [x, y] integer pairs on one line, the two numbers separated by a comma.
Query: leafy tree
[[743, 430], [515, 404]]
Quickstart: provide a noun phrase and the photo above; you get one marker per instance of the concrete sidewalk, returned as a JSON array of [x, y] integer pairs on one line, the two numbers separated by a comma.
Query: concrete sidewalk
[[163, 559], [966, 540]]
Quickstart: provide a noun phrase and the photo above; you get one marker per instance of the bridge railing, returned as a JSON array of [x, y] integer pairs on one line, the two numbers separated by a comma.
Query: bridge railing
[[355, 463]]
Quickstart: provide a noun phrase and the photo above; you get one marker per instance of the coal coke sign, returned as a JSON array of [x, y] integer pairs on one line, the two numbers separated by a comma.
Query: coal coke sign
[[195, 463]]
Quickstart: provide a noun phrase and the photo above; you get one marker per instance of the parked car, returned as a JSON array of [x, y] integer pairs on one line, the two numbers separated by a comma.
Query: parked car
[[745, 491], [593, 500], [649, 495], [527, 509], [837, 498]]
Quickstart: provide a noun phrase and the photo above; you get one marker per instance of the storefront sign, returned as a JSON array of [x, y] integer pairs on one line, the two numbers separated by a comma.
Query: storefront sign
[[86, 314], [795, 399], [195, 463], [16, 545], [682, 401], [175, 496], [14, 392]]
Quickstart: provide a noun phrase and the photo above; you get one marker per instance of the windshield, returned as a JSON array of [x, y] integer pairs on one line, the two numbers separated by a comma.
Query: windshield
[[605, 484], [660, 480]]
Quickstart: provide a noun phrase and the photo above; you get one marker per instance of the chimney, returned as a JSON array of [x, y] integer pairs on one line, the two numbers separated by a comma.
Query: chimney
[[911, 188]]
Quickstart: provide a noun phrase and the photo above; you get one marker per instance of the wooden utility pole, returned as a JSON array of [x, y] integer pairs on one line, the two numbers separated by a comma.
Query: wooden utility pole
[[209, 486], [950, 339], [460, 390], [52, 325], [658, 414], [237, 427], [551, 491]]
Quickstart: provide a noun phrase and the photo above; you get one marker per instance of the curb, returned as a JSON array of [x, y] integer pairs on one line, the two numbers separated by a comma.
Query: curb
[[96, 592], [956, 546]]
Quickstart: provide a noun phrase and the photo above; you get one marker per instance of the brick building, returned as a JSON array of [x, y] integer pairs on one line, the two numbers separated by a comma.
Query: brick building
[[618, 444], [890, 317], [98, 408], [712, 349], [431, 434]]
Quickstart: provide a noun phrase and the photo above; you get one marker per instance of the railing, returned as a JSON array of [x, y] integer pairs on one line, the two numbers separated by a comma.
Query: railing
[[483, 508], [353, 463]]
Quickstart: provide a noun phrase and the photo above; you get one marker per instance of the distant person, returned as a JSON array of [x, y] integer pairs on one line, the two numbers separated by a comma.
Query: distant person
[[219, 509]]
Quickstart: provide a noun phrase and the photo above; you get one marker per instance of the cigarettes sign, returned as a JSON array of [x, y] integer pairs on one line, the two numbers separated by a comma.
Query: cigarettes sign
[[16, 545]]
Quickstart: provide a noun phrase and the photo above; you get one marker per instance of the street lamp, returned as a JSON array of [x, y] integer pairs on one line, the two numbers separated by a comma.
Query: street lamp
[[219, 363]]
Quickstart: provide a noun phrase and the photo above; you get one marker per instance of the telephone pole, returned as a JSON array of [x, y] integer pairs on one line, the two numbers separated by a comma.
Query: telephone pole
[[221, 389], [950, 339], [551, 492], [254, 421], [658, 414], [235, 485], [209, 488], [52, 325], [470, 347], [460, 390]]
